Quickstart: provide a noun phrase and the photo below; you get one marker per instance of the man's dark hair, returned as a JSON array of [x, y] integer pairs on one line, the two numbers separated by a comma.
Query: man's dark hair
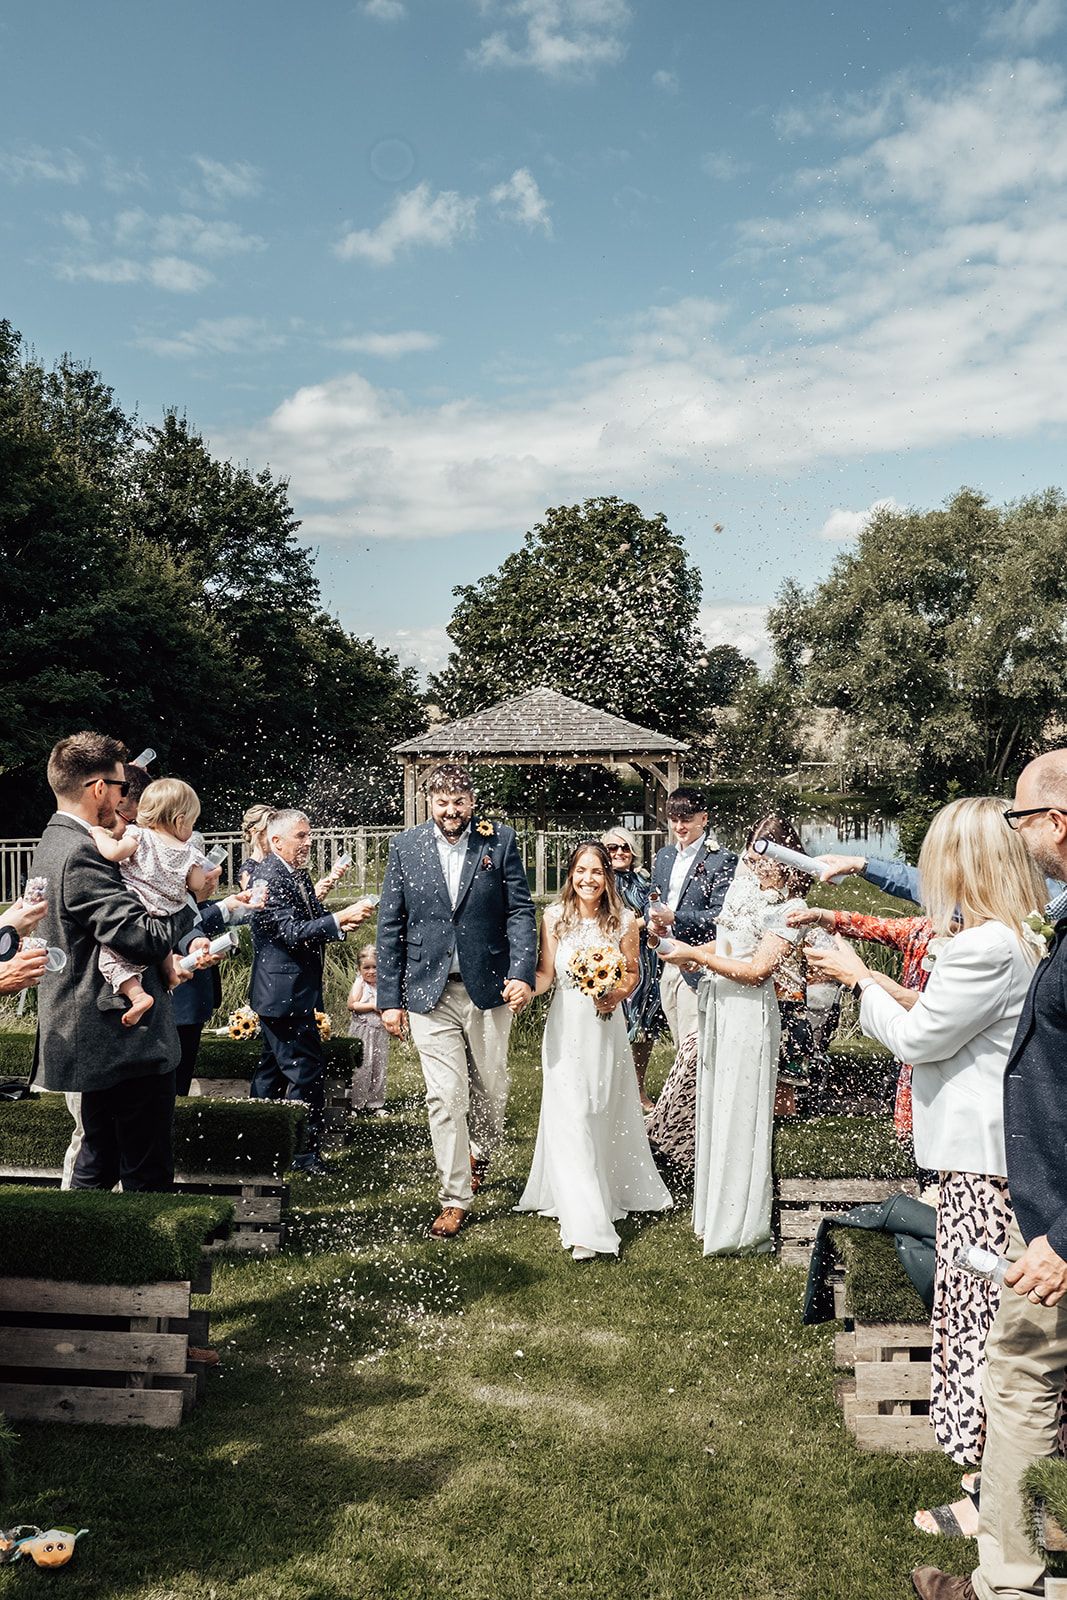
[[81, 757], [450, 779], [686, 799]]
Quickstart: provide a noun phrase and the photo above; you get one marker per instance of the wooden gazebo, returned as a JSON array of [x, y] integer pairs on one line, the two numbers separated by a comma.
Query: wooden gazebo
[[541, 728]]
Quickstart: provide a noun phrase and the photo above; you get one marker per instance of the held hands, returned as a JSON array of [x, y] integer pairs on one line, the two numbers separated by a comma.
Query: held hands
[[24, 971], [1039, 1275], [835, 866], [517, 995], [395, 1022], [24, 918], [841, 963]]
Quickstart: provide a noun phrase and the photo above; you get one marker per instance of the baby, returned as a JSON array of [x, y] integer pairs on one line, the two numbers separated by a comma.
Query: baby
[[368, 1079], [160, 866]]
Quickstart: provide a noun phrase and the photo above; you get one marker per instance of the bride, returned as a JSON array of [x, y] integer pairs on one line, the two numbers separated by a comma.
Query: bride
[[592, 1164]]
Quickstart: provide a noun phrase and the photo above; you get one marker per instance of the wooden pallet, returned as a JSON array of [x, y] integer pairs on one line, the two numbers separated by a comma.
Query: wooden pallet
[[260, 1203], [108, 1353], [886, 1404], [802, 1203]]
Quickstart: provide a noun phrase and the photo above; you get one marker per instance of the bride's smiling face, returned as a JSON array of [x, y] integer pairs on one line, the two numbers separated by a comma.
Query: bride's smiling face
[[587, 877]]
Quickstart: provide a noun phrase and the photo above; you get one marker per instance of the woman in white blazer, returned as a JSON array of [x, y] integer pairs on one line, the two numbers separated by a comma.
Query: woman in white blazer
[[978, 886]]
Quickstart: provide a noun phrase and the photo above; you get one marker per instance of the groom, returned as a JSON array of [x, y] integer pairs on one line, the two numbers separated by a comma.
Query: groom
[[457, 947]]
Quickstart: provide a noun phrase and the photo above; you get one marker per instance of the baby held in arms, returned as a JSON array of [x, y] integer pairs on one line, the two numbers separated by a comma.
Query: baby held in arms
[[160, 866]]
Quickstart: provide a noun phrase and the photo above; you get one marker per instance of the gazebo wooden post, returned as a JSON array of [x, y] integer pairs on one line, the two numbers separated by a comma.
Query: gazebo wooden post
[[410, 791]]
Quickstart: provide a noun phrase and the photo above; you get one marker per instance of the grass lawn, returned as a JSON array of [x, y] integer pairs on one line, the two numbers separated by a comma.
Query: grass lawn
[[486, 1420]]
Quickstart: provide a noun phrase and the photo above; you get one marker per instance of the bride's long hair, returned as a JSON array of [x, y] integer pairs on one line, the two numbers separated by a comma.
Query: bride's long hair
[[609, 912]]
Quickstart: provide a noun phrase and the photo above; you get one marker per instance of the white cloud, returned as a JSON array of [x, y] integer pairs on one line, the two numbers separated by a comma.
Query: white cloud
[[385, 10], [666, 81], [841, 524], [417, 217], [31, 163], [521, 200], [176, 275], [743, 626], [560, 38], [170, 233], [225, 181], [722, 166], [163, 272], [898, 329], [426, 649], [387, 346], [1026, 22], [215, 336]]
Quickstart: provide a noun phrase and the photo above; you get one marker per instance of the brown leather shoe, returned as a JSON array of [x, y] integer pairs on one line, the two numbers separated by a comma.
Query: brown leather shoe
[[930, 1583], [449, 1222], [479, 1168]]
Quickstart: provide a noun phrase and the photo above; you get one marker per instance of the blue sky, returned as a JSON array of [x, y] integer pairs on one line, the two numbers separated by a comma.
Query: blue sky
[[445, 263]]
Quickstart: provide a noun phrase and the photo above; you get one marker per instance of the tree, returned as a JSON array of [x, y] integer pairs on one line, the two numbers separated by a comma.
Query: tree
[[600, 603], [941, 640]]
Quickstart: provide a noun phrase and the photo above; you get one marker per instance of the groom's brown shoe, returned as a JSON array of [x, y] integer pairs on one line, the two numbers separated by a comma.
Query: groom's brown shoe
[[930, 1583], [449, 1223]]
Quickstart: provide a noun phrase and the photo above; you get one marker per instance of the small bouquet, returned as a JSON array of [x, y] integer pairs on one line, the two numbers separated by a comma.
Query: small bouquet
[[244, 1024], [1038, 932], [325, 1024], [596, 971]]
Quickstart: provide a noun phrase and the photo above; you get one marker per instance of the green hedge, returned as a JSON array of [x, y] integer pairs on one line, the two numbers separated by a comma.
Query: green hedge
[[879, 1290], [231, 1058], [840, 1147], [223, 1136], [218, 1058], [86, 1236], [1044, 1488]]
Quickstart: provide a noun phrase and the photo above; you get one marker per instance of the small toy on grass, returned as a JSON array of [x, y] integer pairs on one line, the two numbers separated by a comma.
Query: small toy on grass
[[52, 1547]]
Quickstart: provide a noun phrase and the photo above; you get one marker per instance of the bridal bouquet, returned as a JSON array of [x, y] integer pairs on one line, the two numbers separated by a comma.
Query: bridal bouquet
[[597, 970]]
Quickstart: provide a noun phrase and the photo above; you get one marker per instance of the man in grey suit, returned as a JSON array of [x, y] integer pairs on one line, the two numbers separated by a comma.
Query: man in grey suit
[[125, 1075], [457, 948]]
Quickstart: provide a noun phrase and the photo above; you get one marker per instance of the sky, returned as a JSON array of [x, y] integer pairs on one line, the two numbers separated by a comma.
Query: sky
[[443, 264]]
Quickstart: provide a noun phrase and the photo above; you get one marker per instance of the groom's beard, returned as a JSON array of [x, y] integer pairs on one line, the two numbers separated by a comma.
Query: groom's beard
[[452, 829]]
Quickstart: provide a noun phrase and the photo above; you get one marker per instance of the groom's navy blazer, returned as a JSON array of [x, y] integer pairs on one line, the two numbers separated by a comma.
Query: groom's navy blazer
[[288, 940], [703, 892], [1035, 1104], [493, 928]]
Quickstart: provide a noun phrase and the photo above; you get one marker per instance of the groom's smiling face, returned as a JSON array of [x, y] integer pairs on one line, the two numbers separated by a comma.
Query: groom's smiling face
[[452, 812]]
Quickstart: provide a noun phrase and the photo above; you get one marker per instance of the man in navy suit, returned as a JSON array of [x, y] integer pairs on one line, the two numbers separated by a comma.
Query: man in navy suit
[[1026, 1351], [692, 876], [289, 937], [457, 948]]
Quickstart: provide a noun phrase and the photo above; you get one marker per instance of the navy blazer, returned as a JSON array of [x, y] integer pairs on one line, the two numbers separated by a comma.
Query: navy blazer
[[1035, 1104], [703, 892], [493, 928], [289, 937], [195, 1001]]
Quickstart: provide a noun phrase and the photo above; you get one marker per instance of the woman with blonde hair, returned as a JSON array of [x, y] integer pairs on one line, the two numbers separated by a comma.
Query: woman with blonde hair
[[979, 887], [254, 825], [592, 1164]]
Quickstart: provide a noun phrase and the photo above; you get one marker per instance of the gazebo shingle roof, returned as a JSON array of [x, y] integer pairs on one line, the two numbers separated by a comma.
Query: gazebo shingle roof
[[539, 723]]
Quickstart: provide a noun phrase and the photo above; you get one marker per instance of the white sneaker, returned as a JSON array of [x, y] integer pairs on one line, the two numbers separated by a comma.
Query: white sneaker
[[581, 1253]]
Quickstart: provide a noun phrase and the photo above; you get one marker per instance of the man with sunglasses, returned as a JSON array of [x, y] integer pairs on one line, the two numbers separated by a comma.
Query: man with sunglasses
[[1026, 1352], [125, 1075]]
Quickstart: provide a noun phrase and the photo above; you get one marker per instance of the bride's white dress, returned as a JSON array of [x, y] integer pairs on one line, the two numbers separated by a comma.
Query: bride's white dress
[[592, 1163]]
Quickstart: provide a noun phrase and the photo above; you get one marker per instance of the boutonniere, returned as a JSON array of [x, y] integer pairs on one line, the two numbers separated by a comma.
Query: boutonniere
[[486, 830], [487, 862], [1037, 932], [933, 950], [700, 871]]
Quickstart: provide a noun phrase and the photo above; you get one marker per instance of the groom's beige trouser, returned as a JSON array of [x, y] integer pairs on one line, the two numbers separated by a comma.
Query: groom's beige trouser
[[679, 1003], [1026, 1357], [464, 1055]]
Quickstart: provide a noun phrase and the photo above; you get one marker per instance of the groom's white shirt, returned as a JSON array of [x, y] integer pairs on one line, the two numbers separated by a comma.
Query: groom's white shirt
[[683, 860], [451, 857]]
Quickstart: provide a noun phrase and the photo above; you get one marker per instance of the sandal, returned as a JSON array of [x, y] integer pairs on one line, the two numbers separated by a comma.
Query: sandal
[[948, 1524], [971, 1484]]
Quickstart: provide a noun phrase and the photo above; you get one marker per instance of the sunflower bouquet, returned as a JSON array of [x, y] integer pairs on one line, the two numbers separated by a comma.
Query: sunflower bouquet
[[243, 1023], [597, 970]]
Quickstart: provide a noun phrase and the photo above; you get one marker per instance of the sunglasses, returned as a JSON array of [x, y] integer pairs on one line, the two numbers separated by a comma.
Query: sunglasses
[[121, 784], [618, 850]]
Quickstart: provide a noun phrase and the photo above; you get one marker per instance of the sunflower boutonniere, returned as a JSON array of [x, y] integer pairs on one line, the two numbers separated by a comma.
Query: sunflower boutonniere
[[486, 829]]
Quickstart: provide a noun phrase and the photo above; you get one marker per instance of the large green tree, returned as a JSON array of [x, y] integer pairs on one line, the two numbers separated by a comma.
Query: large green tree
[[601, 602], [940, 638]]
